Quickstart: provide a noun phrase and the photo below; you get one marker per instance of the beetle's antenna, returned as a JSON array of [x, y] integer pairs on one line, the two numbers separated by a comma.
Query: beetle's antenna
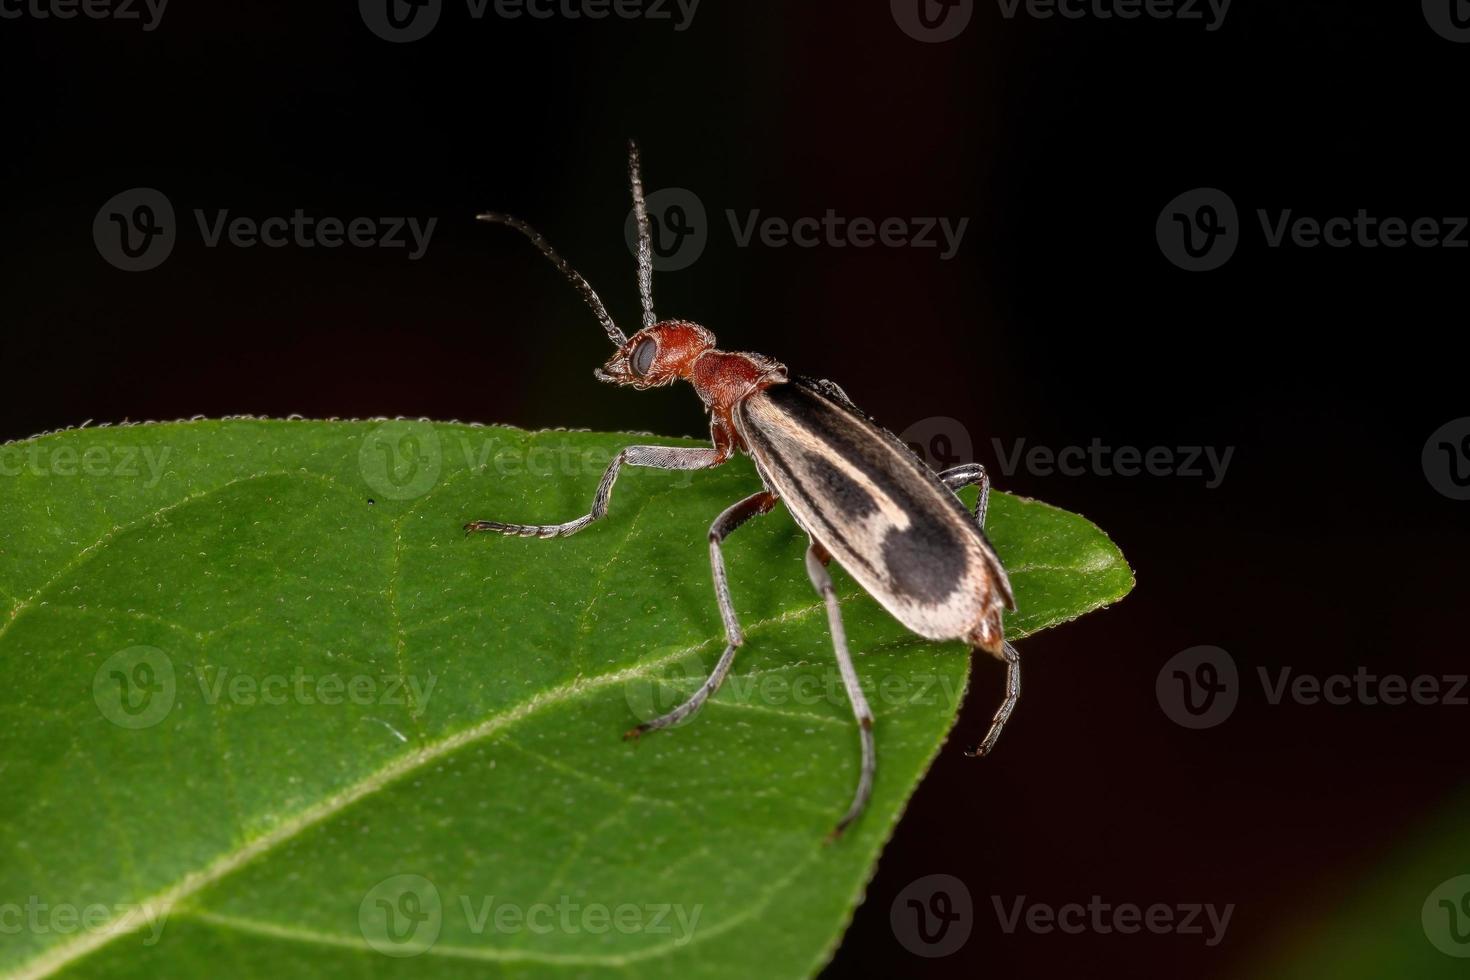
[[645, 238], [589, 295]]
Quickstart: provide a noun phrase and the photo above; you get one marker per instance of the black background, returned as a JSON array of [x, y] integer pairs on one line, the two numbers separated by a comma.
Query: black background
[[1059, 321]]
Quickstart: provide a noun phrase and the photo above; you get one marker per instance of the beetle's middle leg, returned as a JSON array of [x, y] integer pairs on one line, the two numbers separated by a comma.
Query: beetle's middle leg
[[654, 457], [971, 474], [816, 569], [734, 516]]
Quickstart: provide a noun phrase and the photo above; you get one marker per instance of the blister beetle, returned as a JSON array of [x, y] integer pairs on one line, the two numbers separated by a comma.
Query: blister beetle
[[859, 493]]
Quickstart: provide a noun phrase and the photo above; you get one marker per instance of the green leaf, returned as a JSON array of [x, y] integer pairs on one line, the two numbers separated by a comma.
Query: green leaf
[[266, 705]]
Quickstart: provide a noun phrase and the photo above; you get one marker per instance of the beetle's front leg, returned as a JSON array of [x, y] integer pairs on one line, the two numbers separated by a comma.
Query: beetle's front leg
[[654, 457]]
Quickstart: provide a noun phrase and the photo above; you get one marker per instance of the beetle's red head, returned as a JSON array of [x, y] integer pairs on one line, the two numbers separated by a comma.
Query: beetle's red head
[[657, 355]]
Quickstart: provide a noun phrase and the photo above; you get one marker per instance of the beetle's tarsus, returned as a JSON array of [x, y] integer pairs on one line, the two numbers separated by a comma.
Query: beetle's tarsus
[[474, 526], [1003, 713]]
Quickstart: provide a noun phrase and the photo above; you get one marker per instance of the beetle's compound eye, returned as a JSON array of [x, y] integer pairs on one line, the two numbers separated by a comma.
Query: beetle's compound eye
[[642, 359]]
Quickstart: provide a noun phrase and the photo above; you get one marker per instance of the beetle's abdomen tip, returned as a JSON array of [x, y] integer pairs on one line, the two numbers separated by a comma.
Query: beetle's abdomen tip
[[989, 635]]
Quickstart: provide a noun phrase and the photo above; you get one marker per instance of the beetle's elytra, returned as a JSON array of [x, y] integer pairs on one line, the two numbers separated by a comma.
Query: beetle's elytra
[[861, 495]]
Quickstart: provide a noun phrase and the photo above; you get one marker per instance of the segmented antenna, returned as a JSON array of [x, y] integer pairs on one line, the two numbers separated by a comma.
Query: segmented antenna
[[645, 238], [589, 295]]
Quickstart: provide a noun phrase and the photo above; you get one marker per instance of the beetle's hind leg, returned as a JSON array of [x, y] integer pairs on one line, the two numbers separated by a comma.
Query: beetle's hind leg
[[973, 474], [733, 517], [1003, 713], [816, 569]]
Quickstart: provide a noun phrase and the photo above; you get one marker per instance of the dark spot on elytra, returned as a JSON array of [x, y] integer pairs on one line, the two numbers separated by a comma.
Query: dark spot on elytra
[[925, 562], [846, 492]]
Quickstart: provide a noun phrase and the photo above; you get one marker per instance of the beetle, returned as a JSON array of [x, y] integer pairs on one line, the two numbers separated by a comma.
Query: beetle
[[862, 497]]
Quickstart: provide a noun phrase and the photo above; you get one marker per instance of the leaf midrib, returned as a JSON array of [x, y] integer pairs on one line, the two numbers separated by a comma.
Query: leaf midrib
[[494, 954]]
